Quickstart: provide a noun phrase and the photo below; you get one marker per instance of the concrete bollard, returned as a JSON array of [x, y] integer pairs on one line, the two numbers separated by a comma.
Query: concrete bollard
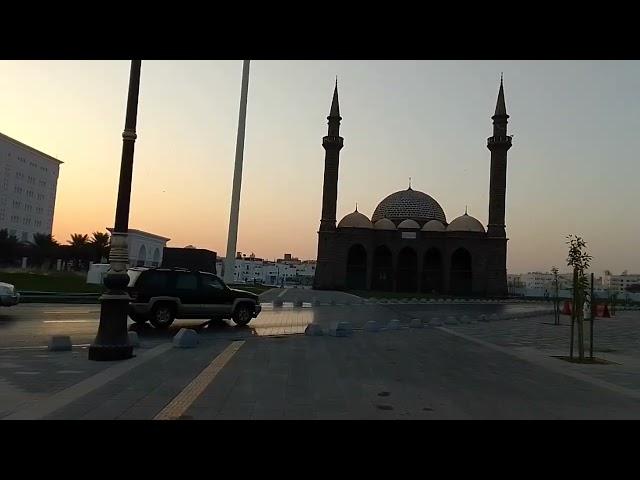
[[435, 322], [494, 317], [313, 330], [483, 318], [59, 343], [186, 338], [341, 329], [372, 326], [415, 323], [133, 339], [393, 325], [451, 321]]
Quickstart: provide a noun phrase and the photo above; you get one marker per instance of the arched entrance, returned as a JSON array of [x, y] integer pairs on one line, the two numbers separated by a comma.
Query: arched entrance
[[461, 273], [407, 273], [357, 268], [142, 256], [156, 257], [432, 271], [382, 276]]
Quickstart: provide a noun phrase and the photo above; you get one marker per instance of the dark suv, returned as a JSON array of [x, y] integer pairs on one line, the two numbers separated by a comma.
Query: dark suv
[[161, 295]]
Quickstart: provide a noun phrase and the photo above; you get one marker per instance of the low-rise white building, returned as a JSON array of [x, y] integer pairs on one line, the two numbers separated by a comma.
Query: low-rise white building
[[28, 185], [619, 283], [287, 271]]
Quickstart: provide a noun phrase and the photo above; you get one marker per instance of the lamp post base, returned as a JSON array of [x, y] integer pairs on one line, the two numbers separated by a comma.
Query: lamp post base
[[112, 340]]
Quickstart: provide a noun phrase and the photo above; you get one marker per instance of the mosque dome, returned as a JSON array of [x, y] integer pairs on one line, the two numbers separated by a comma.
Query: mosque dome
[[434, 226], [355, 220], [465, 223], [384, 224], [409, 204], [409, 223]]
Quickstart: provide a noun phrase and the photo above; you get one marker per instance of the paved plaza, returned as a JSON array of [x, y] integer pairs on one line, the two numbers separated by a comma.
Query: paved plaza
[[500, 369]]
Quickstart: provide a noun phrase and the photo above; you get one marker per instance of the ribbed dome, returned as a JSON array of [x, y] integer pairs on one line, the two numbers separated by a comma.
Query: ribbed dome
[[409, 223], [433, 226], [355, 220], [465, 223], [411, 204], [384, 224]]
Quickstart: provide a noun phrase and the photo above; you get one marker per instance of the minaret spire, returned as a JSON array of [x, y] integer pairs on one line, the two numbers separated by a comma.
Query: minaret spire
[[335, 106], [501, 108]]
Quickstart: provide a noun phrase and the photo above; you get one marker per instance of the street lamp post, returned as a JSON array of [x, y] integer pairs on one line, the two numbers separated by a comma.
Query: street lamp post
[[112, 341]]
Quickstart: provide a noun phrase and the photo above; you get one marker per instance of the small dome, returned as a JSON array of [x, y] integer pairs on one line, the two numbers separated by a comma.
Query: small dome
[[433, 226], [465, 223], [355, 220], [408, 223], [384, 224]]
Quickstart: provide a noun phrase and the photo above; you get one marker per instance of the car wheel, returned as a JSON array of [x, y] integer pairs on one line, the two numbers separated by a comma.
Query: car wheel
[[162, 315], [243, 315]]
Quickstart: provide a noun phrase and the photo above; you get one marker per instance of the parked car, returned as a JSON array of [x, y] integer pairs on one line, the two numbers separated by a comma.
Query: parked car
[[160, 295], [8, 295]]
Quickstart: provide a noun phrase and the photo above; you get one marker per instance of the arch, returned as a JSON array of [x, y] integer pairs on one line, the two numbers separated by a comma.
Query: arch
[[142, 256], [156, 257], [461, 272], [407, 271], [382, 274], [356, 268], [432, 271]]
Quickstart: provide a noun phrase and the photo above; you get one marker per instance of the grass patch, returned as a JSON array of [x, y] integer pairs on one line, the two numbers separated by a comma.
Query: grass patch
[[49, 282]]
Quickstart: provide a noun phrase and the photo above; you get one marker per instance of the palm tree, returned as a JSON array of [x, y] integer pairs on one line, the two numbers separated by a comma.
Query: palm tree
[[78, 243], [8, 246], [100, 242], [44, 247]]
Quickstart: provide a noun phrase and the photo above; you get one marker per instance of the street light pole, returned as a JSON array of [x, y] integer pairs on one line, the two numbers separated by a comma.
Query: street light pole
[[112, 341]]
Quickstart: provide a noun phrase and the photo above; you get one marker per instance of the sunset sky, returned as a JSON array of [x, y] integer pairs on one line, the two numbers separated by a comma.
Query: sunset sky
[[573, 167]]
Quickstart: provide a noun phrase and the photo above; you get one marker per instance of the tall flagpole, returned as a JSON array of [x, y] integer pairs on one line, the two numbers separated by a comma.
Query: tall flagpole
[[229, 264]]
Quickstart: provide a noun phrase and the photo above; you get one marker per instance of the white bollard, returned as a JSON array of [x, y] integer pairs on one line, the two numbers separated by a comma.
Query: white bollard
[[186, 338], [313, 330], [451, 321], [393, 325], [415, 323], [372, 326], [133, 339], [341, 329], [59, 343]]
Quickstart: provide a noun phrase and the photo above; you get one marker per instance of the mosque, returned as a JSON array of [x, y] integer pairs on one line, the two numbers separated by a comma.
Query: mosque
[[408, 245]]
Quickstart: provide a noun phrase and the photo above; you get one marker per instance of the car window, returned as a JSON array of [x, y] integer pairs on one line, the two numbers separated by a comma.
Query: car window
[[154, 280], [209, 281], [187, 281]]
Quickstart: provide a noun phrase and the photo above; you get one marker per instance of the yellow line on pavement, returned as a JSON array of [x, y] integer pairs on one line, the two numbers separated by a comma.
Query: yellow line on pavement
[[176, 408]]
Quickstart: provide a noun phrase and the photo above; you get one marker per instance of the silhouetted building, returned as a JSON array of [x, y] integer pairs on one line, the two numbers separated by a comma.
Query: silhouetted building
[[408, 245]]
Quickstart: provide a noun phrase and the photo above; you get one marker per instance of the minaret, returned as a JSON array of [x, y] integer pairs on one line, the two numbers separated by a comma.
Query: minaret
[[324, 278], [332, 144], [498, 144]]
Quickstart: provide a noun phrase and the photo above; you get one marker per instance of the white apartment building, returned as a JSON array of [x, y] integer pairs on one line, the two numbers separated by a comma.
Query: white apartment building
[[288, 270], [28, 184], [619, 283]]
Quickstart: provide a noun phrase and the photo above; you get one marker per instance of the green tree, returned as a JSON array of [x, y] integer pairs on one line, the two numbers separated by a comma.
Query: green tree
[[556, 302], [78, 244], [8, 246], [44, 247], [580, 260], [100, 243]]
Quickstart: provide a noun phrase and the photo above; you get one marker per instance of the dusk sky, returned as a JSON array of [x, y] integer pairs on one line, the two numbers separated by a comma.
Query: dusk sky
[[573, 167]]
